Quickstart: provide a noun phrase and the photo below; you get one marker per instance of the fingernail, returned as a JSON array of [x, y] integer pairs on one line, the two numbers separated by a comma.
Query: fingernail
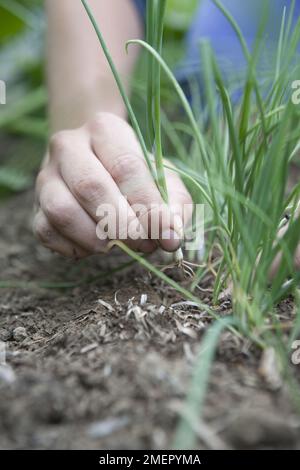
[[170, 240]]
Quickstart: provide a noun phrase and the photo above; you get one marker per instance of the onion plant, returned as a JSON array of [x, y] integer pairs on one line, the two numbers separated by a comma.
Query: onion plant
[[236, 160]]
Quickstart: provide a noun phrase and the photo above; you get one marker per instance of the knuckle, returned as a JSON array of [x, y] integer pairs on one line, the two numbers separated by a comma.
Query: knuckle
[[126, 165], [59, 213], [60, 141], [87, 189], [43, 231], [107, 124], [101, 120]]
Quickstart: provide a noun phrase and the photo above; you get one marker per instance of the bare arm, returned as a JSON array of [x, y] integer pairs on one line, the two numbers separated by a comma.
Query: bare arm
[[79, 79], [94, 158]]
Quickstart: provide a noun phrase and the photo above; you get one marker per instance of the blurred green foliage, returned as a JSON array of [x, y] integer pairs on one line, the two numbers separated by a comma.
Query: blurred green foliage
[[16, 16], [179, 14], [10, 25], [21, 67], [23, 120]]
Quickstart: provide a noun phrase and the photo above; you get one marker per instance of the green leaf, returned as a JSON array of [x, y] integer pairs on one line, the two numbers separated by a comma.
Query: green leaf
[[180, 13], [10, 25], [185, 436]]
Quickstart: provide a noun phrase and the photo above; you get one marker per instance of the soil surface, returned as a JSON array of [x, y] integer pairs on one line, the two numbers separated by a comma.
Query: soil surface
[[107, 364]]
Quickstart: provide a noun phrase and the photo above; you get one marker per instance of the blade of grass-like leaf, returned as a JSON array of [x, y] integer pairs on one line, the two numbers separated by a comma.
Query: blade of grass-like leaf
[[196, 131], [236, 150], [269, 198], [280, 46], [185, 437], [251, 73], [287, 31], [159, 176], [286, 290], [260, 155], [157, 14], [64, 284], [206, 56], [181, 290], [121, 88], [161, 180], [294, 335], [210, 75], [287, 245], [187, 107], [182, 97], [150, 38], [172, 134], [184, 292], [188, 295], [268, 115], [274, 171], [186, 175]]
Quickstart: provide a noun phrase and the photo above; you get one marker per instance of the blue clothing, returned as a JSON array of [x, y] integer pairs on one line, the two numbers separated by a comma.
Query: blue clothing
[[210, 23]]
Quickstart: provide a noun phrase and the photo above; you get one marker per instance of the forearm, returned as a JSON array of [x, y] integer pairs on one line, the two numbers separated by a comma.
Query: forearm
[[79, 80]]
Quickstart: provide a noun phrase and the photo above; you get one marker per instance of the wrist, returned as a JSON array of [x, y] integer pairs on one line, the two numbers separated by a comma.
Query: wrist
[[81, 102]]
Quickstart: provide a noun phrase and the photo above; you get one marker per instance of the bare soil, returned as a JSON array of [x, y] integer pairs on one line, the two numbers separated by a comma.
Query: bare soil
[[107, 364]]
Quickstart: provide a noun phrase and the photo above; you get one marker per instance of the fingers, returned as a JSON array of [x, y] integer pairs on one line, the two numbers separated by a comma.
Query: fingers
[[68, 217], [101, 166], [53, 240], [125, 163], [180, 200], [95, 192]]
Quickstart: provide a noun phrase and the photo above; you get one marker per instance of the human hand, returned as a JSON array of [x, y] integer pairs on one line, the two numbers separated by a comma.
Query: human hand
[[98, 164]]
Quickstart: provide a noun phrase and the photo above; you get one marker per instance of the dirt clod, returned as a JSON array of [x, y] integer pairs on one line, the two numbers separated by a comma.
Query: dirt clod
[[19, 333], [5, 335]]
